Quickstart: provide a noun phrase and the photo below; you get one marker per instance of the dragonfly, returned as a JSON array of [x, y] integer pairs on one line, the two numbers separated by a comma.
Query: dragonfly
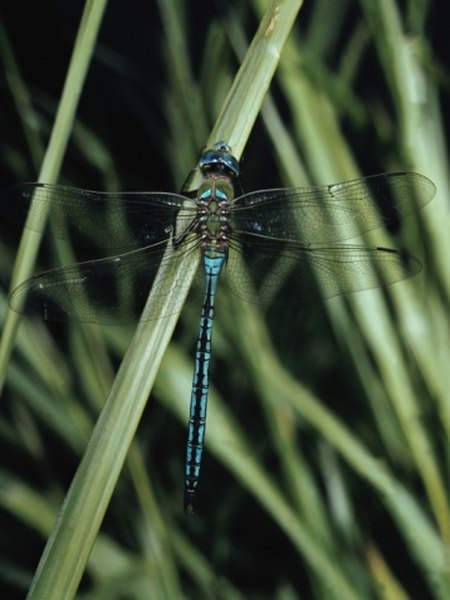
[[260, 239]]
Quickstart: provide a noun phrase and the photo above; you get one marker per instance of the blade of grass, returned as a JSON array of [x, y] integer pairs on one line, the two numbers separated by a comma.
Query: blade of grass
[[278, 386], [331, 159], [319, 128], [29, 245]]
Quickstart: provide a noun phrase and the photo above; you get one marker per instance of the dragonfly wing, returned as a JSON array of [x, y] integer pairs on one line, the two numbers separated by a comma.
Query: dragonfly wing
[[285, 273], [96, 219], [333, 212], [108, 290]]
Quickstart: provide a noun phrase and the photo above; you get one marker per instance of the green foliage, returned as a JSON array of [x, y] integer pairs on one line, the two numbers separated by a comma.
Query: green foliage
[[327, 464]]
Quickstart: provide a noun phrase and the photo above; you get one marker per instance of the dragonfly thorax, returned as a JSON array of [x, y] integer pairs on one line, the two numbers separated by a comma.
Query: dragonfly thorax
[[213, 211]]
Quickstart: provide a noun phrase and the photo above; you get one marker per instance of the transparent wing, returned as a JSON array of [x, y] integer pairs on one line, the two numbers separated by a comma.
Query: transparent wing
[[286, 273], [95, 219], [109, 290], [333, 212]]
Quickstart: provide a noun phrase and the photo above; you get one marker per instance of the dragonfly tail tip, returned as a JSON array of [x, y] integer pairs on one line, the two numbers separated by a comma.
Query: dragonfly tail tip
[[190, 503]]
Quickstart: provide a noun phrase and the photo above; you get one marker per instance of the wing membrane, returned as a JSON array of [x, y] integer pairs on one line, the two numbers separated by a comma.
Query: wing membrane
[[333, 212], [96, 219], [108, 290], [288, 273]]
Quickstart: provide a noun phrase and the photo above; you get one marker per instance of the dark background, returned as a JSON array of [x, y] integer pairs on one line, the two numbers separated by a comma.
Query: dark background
[[122, 102]]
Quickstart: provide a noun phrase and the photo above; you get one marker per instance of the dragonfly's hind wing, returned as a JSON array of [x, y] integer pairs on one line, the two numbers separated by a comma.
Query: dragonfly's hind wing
[[331, 213], [117, 220], [287, 273], [109, 290]]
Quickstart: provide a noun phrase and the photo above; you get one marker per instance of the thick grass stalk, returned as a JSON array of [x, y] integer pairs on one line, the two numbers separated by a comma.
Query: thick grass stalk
[[67, 551]]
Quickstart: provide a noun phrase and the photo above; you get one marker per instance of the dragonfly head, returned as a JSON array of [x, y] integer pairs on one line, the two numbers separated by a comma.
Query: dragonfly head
[[220, 160]]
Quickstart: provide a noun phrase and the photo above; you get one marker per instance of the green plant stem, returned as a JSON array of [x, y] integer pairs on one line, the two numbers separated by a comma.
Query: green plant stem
[[68, 548], [76, 75]]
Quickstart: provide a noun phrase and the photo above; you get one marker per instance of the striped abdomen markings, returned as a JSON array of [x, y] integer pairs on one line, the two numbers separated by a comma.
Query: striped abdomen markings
[[212, 263]]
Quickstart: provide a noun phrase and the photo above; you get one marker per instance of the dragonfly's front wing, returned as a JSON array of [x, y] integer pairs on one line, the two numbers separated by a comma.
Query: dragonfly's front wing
[[90, 219], [331, 213]]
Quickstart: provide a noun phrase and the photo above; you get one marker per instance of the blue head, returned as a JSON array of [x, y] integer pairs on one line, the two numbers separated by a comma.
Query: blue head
[[219, 159]]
